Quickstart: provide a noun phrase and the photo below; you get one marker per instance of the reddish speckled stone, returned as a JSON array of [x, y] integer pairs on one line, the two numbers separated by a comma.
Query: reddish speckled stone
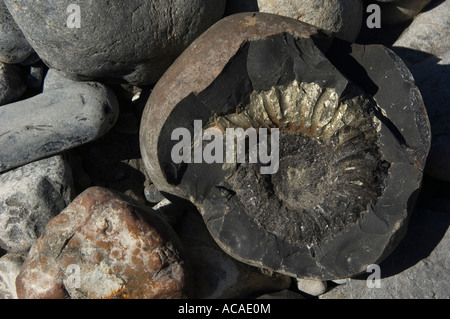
[[120, 249]]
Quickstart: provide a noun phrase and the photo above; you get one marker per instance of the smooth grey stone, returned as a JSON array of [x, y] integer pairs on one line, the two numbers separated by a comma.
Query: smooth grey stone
[[312, 287], [55, 121], [14, 48], [429, 33], [30, 196], [35, 76], [343, 17], [418, 269], [12, 83], [132, 41]]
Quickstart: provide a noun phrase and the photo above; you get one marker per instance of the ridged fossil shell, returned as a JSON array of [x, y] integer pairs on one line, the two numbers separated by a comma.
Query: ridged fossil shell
[[330, 168]]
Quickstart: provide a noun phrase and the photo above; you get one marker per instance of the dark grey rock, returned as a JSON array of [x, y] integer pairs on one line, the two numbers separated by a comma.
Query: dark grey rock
[[131, 41], [12, 83], [418, 269], [312, 287], [113, 162], [14, 48], [10, 265], [59, 119], [30, 196]]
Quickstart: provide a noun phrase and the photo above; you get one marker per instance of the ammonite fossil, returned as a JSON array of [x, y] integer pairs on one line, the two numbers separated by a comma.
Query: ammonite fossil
[[346, 123]]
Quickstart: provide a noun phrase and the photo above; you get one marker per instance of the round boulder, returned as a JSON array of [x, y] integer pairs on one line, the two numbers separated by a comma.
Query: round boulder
[[334, 136], [131, 41]]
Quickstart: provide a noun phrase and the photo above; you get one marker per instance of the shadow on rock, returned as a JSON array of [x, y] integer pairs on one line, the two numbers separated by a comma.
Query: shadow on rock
[[425, 231]]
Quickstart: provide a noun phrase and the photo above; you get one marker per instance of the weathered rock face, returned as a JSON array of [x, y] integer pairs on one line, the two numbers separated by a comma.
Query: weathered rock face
[[353, 137], [135, 42], [14, 48], [401, 11], [30, 196], [343, 17], [118, 250], [63, 117]]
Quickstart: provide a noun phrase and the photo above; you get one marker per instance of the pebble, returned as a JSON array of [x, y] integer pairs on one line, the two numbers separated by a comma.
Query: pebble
[[30, 196], [133, 41], [343, 17], [152, 194], [54, 121], [311, 287], [14, 48], [118, 249], [12, 83], [10, 265]]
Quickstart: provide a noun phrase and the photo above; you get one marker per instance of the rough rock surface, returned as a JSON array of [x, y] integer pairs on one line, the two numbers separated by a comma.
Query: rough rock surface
[[12, 83], [427, 32], [30, 196], [113, 248], [258, 52], [432, 77], [55, 121], [14, 48], [133, 41], [10, 265], [418, 269], [343, 17]]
